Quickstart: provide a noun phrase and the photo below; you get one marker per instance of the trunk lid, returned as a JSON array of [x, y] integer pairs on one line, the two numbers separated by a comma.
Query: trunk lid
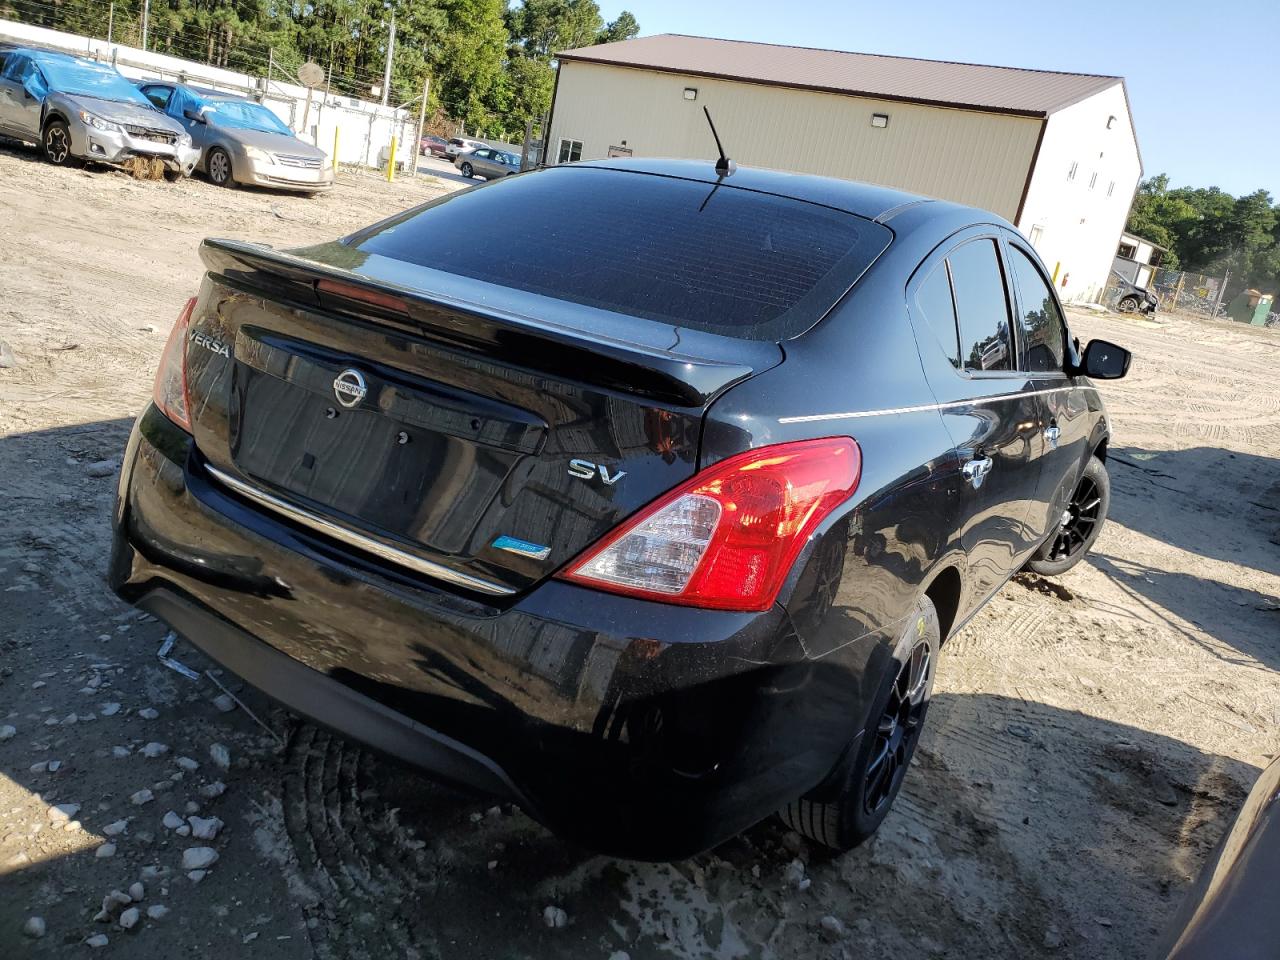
[[438, 418]]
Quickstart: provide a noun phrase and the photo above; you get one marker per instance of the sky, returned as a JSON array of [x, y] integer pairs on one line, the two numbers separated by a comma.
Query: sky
[[1203, 78]]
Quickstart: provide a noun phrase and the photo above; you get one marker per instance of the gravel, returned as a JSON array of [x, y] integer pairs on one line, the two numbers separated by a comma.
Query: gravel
[[187, 764], [105, 850], [34, 927], [157, 911], [115, 828], [153, 750], [142, 796], [129, 919], [555, 918], [8, 731], [97, 940], [100, 469], [148, 713], [172, 821], [137, 891]]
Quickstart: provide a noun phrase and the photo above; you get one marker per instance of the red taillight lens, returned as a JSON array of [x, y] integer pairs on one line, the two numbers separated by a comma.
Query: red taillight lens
[[726, 538], [171, 379]]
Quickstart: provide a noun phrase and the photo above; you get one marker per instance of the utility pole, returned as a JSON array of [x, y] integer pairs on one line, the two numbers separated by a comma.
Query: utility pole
[[111, 20], [146, 15], [422, 121], [386, 73]]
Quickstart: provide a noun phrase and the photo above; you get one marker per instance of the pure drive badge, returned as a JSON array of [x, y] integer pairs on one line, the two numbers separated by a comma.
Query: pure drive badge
[[349, 387]]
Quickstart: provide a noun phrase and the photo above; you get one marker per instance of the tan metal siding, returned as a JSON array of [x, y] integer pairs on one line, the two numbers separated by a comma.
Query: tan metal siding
[[968, 156]]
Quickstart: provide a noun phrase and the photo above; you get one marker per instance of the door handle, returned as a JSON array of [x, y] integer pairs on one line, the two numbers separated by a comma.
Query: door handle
[[976, 470], [1051, 435]]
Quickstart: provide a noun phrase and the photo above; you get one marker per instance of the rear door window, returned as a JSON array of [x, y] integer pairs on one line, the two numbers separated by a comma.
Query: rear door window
[[1044, 333], [933, 300], [982, 307], [680, 252]]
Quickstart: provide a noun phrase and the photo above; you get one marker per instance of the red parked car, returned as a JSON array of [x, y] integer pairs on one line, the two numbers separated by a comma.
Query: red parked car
[[432, 146]]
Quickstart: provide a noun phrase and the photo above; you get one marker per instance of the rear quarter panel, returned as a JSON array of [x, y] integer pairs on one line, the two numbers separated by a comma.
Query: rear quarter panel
[[856, 374]]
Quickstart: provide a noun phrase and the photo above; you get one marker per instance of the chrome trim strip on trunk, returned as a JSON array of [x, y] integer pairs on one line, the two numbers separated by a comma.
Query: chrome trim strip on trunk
[[357, 540]]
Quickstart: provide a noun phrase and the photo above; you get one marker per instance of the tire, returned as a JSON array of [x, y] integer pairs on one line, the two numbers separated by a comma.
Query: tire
[[1128, 304], [218, 166], [467, 171], [56, 144], [1075, 535], [853, 801]]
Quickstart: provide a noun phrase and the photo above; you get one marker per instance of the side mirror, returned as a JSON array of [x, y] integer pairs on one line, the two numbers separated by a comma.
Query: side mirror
[[1105, 361], [196, 115]]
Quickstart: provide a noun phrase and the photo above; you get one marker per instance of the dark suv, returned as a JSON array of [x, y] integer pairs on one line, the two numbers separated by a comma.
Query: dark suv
[[654, 523]]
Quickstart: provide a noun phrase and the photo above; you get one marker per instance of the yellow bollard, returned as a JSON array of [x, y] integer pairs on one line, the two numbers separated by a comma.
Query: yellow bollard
[[335, 151], [391, 160]]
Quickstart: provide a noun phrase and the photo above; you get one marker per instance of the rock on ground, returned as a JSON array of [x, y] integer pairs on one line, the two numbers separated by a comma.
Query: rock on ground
[[34, 927], [555, 918], [198, 858]]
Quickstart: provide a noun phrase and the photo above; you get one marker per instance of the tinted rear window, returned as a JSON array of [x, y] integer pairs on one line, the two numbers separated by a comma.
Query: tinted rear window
[[727, 261]]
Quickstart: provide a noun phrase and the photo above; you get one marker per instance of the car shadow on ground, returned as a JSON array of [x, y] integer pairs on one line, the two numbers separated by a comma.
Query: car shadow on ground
[[1153, 493], [1250, 483], [444, 170]]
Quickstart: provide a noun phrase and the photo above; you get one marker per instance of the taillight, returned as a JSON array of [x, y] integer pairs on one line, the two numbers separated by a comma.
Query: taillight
[[726, 538], [171, 379]]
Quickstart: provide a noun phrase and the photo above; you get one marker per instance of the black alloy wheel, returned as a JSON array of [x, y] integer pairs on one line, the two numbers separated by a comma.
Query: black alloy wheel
[[1128, 304], [1079, 525], [1078, 521], [849, 806], [898, 730]]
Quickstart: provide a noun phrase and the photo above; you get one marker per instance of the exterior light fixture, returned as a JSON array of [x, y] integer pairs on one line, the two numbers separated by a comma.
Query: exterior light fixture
[[691, 93], [879, 119]]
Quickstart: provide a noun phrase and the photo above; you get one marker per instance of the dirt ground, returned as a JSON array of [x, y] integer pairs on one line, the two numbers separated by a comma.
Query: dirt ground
[[1090, 738]]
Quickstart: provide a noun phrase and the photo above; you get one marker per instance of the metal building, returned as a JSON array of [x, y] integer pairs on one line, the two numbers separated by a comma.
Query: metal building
[[1055, 153]]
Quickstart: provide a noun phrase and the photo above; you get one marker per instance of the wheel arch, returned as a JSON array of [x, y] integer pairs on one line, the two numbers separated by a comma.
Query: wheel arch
[[944, 590]]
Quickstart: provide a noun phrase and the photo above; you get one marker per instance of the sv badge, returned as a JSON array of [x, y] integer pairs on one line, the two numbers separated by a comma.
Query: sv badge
[[586, 470]]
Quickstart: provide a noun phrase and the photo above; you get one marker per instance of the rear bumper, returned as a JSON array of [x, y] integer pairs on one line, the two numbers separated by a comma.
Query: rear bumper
[[639, 729]]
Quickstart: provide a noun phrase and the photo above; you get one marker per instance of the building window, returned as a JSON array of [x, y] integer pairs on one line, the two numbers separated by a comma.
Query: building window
[[1071, 174], [1037, 231], [1127, 250], [1110, 122], [1112, 188], [1093, 180], [570, 151]]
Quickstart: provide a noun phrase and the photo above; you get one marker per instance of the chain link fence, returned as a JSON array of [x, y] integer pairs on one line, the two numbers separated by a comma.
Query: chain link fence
[[1177, 291]]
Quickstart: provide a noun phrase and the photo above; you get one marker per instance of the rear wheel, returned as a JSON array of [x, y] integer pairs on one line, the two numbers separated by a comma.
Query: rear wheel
[[219, 167], [1080, 524], [467, 171], [57, 143], [843, 814]]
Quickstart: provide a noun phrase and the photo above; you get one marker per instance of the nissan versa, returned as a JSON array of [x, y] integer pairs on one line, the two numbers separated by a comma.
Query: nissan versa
[[654, 524]]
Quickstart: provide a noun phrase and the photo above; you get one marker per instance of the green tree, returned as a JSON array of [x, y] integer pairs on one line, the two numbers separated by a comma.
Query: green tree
[[624, 28]]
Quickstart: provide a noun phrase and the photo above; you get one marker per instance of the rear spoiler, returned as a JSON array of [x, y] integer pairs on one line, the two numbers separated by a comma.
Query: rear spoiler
[[708, 364]]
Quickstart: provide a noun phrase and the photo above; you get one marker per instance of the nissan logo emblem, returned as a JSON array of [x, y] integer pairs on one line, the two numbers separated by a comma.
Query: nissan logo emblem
[[349, 387]]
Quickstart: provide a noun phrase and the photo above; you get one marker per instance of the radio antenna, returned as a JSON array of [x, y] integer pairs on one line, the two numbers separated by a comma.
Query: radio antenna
[[724, 166]]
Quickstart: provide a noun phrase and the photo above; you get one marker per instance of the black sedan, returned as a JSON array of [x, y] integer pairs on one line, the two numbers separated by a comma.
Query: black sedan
[[655, 521]]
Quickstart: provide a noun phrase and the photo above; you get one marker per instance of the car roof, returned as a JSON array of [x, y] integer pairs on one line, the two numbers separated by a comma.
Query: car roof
[[41, 55], [864, 199], [206, 93]]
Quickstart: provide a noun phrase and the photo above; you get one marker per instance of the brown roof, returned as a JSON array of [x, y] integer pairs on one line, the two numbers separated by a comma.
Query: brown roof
[[999, 89]]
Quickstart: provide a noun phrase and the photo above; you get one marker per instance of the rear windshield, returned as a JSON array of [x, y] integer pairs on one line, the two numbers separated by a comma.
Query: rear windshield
[[727, 261]]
